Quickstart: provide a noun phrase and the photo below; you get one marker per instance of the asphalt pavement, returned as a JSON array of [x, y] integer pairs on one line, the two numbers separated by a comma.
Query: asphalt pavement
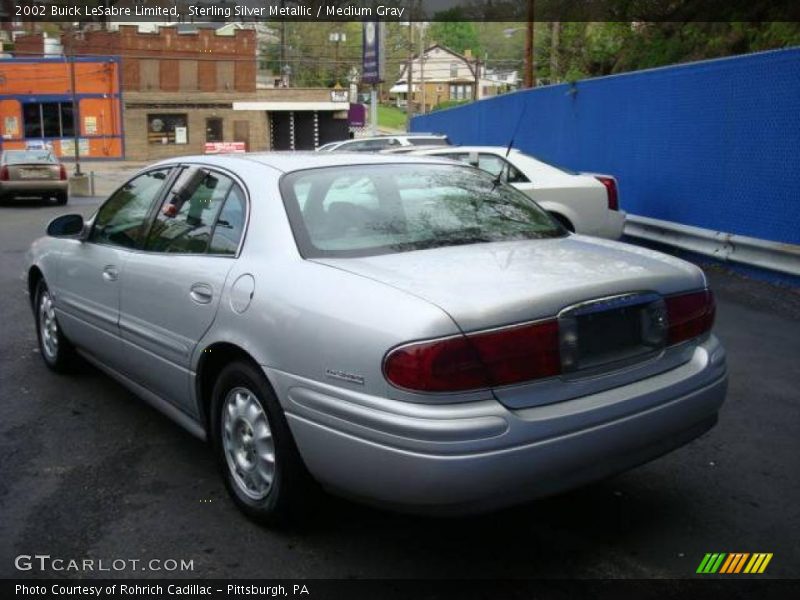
[[89, 471]]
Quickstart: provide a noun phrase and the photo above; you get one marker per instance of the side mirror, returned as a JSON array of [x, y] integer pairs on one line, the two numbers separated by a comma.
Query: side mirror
[[65, 226]]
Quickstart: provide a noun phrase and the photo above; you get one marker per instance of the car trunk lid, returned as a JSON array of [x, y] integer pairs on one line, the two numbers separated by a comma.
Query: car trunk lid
[[610, 295], [494, 284], [33, 171]]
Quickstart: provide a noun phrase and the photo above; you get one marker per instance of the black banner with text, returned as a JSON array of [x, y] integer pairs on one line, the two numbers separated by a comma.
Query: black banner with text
[[182, 11]]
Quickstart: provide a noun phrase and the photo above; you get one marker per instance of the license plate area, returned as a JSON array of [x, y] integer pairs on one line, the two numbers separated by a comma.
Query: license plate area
[[34, 173], [610, 333]]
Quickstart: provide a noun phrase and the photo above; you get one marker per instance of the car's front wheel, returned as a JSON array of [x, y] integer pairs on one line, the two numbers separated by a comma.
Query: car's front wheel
[[255, 449], [56, 350]]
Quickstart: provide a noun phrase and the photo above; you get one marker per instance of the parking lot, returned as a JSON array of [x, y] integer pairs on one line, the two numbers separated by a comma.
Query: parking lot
[[89, 471]]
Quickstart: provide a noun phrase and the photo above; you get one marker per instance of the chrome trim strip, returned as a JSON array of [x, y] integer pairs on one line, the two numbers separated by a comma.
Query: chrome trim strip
[[608, 303], [461, 429], [160, 340]]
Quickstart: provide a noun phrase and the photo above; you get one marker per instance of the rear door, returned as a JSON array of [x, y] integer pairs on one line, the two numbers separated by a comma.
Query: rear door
[[171, 291], [88, 282]]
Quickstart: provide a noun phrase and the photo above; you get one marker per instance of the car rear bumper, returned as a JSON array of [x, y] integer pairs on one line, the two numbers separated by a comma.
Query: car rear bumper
[[478, 456], [615, 225], [34, 188]]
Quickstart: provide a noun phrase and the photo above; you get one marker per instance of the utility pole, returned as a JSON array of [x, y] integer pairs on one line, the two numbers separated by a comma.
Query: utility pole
[[282, 67], [76, 122], [477, 74], [422, 65], [337, 37], [530, 69], [410, 78], [554, 44]]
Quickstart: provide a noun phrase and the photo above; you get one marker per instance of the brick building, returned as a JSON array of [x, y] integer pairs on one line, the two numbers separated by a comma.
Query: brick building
[[36, 104], [183, 90]]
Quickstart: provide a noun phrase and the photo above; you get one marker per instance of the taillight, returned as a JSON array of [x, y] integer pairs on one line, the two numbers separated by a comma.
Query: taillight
[[518, 353], [611, 191], [4, 174], [689, 315], [62, 172], [477, 360]]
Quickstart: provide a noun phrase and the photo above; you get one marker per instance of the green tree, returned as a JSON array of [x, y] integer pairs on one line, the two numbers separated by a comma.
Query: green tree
[[456, 35]]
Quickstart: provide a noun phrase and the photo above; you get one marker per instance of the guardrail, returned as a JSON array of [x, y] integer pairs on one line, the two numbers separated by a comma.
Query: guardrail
[[728, 247]]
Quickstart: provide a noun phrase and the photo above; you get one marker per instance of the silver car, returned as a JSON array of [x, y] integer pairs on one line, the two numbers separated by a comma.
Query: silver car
[[406, 331], [32, 174]]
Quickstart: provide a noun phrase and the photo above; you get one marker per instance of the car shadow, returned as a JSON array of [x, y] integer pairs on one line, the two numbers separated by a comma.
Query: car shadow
[[28, 202]]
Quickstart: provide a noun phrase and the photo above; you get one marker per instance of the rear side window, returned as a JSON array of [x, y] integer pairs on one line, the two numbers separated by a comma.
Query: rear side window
[[230, 224], [496, 165], [188, 218], [121, 220], [429, 141]]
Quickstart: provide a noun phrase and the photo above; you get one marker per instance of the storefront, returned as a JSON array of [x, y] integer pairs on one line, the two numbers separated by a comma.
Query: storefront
[[163, 124], [37, 105]]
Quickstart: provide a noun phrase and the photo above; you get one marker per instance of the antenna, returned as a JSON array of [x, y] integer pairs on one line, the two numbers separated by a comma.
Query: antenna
[[510, 145], [516, 129]]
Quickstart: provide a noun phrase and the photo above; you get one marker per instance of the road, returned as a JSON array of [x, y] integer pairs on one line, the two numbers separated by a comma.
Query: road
[[88, 471]]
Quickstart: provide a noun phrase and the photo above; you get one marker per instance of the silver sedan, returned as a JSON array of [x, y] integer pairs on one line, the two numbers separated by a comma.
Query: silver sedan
[[406, 331], [32, 173]]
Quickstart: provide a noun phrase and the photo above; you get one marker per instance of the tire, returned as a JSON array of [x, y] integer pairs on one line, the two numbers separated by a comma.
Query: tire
[[62, 198], [57, 352], [563, 221], [249, 427]]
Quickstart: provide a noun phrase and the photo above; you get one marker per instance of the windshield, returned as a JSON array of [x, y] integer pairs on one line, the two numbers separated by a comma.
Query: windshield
[[379, 209], [18, 157]]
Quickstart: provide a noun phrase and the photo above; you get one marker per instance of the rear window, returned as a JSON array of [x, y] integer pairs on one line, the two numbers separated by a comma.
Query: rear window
[[12, 157], [561, 168], [429, 141], [379, 209]]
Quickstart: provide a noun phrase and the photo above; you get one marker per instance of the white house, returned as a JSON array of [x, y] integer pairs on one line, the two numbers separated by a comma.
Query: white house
[[442, 75]]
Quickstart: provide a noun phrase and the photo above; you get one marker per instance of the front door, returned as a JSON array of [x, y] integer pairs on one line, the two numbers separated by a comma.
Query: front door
[[88, 283], [214, 129], [171, 291]]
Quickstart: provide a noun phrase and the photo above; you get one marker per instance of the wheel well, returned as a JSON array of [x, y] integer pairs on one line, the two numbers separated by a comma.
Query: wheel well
[[34, 277], [215, 358], [563, 220]]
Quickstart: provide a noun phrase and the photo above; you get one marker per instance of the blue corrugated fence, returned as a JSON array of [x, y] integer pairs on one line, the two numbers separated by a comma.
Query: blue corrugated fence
[[714, 144]]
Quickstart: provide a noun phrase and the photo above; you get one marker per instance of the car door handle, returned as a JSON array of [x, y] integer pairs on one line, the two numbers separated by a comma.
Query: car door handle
[[201, 293], [110, 273]]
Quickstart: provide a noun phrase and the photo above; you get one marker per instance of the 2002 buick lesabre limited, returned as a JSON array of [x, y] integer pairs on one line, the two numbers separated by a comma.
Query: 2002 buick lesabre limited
[[406, 330]]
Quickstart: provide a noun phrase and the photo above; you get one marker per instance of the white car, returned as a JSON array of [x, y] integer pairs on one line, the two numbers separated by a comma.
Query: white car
[[384, 142], [583, 202]]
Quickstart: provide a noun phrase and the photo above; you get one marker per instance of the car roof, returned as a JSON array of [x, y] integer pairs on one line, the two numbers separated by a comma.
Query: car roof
[[501, 149], [384, 136], [287, 162]]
